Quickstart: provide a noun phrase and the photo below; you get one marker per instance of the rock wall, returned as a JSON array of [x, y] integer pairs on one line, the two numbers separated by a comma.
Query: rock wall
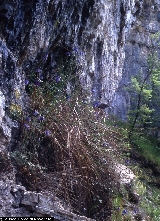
[[110, 39], [34, 33], [139, 44], [95, 30]]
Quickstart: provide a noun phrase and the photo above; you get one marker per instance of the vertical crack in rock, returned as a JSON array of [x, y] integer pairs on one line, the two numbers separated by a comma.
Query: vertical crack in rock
[[122, 24]]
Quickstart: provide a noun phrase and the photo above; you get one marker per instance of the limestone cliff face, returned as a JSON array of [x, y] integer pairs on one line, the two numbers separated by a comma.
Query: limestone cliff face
[[111, 38], [34, 33], [139, 44], [36, 30]]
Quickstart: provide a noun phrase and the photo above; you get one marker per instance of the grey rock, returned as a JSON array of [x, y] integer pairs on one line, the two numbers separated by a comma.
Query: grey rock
[[139, 44], [111, 40], [16, 201]]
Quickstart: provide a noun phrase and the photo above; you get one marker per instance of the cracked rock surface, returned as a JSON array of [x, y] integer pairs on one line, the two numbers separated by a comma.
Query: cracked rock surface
[[16, 201]]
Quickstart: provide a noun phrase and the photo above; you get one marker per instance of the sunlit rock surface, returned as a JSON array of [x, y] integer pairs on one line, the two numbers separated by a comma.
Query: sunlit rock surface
[[96, 30], [139, 44], [111, 38]]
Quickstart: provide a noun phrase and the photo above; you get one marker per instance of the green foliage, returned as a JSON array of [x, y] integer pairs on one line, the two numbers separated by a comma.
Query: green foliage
[[135, 84], [143, 96], [120, 209], [146, 147], [145, 91], [151, 203], [140, 188], [156, 38]]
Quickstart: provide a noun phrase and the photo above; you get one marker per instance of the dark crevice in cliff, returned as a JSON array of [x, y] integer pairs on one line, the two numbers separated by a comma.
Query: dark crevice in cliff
[[85, 14], [99, 71], [122, 24], [75, 15], [79, 36], [138, 6], [86, 11]]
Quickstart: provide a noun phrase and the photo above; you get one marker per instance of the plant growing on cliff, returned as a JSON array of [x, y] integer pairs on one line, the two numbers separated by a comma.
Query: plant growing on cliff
[[61, 139], [65, 146], [145, 91], [15, 111]]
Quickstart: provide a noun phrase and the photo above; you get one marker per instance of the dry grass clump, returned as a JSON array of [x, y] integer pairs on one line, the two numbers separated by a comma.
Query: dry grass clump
[[63, 144]]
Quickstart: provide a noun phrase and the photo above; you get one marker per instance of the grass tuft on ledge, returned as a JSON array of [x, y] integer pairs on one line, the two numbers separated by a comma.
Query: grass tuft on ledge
[[62, 149]]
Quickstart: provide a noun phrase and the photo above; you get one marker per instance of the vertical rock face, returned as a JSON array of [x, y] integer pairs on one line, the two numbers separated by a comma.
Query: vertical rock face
[[139, 44], [33, 34], [35, 31], [110, 38], [103, 40]]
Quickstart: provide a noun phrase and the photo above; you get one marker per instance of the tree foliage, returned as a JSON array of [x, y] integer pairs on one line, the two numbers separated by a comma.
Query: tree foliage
[[145, 91]]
